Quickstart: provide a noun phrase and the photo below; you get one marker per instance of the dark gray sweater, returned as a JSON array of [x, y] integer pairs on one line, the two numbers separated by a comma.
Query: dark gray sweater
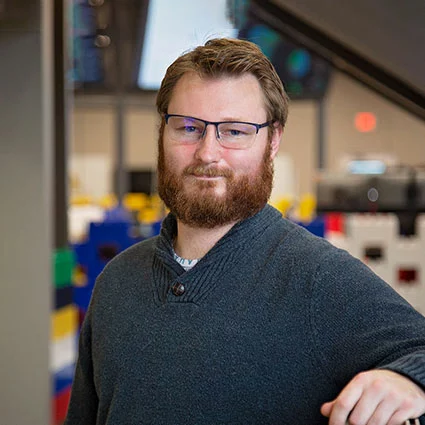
[[270, 324]]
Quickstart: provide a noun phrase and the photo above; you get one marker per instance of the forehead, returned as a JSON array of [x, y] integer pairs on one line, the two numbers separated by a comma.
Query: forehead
[[227, 97]]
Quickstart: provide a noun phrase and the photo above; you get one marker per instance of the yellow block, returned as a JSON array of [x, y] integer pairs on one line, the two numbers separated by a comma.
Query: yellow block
[[108, 202], [135, 201], [307, 208], [64, 322], [283, 204], [148, 215]]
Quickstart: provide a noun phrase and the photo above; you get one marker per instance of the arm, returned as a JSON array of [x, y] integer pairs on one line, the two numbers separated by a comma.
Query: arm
[[376, 397], [372, 343], [84, 401]]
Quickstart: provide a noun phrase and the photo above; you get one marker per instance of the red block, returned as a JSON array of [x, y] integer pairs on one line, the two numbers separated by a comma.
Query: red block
[[334, 222], [60, 406]]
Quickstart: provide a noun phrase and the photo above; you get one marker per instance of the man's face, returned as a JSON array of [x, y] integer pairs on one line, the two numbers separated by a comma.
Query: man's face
[[204, 184]]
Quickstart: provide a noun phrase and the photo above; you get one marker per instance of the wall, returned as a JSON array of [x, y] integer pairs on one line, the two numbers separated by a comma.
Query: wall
[[397, 132], [92, 158]]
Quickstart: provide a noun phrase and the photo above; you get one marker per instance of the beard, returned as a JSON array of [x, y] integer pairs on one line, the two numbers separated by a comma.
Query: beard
[[200, 206]]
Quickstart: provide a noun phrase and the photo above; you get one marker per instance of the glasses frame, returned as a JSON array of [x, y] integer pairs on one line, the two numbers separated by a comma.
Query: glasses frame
[[258, 127]]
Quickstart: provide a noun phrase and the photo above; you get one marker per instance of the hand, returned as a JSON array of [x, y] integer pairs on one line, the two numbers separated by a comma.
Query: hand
[[376, 397]]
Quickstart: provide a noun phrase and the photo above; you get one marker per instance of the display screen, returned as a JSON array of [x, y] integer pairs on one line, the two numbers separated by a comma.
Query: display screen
[[303, 74], [171, 30], [86, 58], [370, 166]]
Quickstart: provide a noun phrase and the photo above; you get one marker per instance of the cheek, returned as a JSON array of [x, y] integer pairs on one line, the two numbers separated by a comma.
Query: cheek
[[243, 162], [178, 157]]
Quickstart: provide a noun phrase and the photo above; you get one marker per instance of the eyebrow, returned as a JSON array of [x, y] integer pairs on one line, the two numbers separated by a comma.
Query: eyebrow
[[226, 118]]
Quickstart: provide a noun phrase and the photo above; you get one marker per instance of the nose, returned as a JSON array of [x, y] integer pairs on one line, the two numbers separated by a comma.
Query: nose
[[208, 149]]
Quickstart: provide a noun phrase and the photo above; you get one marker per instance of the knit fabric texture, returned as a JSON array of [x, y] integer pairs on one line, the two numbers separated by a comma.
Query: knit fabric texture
[[268, 325]]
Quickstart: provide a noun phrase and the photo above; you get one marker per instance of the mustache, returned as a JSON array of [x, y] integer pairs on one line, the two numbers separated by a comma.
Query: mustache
[[206, 171]]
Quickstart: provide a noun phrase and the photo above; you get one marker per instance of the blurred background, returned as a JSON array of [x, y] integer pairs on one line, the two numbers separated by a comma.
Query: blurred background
[[78, 140]]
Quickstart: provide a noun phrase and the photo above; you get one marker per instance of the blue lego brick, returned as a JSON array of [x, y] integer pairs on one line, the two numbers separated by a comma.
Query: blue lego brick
[[81, 253], [82, 296], [63, 378], [316, 226], [157, 227], [106, 240]]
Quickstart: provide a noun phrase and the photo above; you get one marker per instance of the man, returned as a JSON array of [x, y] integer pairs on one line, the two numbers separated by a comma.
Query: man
[[234, 315]]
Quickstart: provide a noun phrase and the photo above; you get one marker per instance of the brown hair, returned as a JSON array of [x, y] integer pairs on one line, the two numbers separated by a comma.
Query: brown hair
[[228, 57]]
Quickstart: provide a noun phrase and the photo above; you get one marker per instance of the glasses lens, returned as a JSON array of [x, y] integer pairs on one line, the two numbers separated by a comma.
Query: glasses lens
[[236, 135], [185, 129]]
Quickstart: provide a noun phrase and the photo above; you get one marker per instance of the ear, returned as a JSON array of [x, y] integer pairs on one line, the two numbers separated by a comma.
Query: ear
[[275, 140]]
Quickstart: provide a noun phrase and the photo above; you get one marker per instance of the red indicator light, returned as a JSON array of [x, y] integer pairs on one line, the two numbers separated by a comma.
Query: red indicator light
[[365, 122]]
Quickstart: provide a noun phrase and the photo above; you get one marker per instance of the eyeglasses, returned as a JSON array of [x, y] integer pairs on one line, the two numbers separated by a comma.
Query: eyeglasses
[[230, 134]]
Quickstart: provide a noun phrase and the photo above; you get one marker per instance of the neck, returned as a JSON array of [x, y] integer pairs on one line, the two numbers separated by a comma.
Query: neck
[[194, 242]]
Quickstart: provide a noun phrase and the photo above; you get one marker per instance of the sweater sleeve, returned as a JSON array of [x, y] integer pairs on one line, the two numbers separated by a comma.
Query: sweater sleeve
[[84, 401], [359, 322]]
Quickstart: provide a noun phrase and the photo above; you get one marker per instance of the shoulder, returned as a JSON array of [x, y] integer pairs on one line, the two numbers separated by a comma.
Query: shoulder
[[322, 267], [330, 266], [133, 264], [298, 245], [137, 253]]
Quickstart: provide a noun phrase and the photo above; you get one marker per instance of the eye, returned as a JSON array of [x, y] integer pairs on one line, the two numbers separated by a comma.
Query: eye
[[190, 126], [191, 129], [235, 130], [185, 126]]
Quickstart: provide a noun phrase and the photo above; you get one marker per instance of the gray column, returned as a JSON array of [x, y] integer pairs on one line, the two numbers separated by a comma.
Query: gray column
[[26, 213]]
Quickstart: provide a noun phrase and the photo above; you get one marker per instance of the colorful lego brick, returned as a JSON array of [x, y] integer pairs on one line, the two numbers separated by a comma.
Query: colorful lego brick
[[64, 322], [63, 379], [315, 226], [63, 297], [60, 406], [82, 296], [63, 265]]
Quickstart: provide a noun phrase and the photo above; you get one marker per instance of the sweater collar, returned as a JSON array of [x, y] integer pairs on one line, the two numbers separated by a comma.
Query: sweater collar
[[232, 240], [204, 277]]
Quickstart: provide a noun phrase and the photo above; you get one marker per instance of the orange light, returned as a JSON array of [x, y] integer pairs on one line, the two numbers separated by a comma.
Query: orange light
[[365, 122]]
